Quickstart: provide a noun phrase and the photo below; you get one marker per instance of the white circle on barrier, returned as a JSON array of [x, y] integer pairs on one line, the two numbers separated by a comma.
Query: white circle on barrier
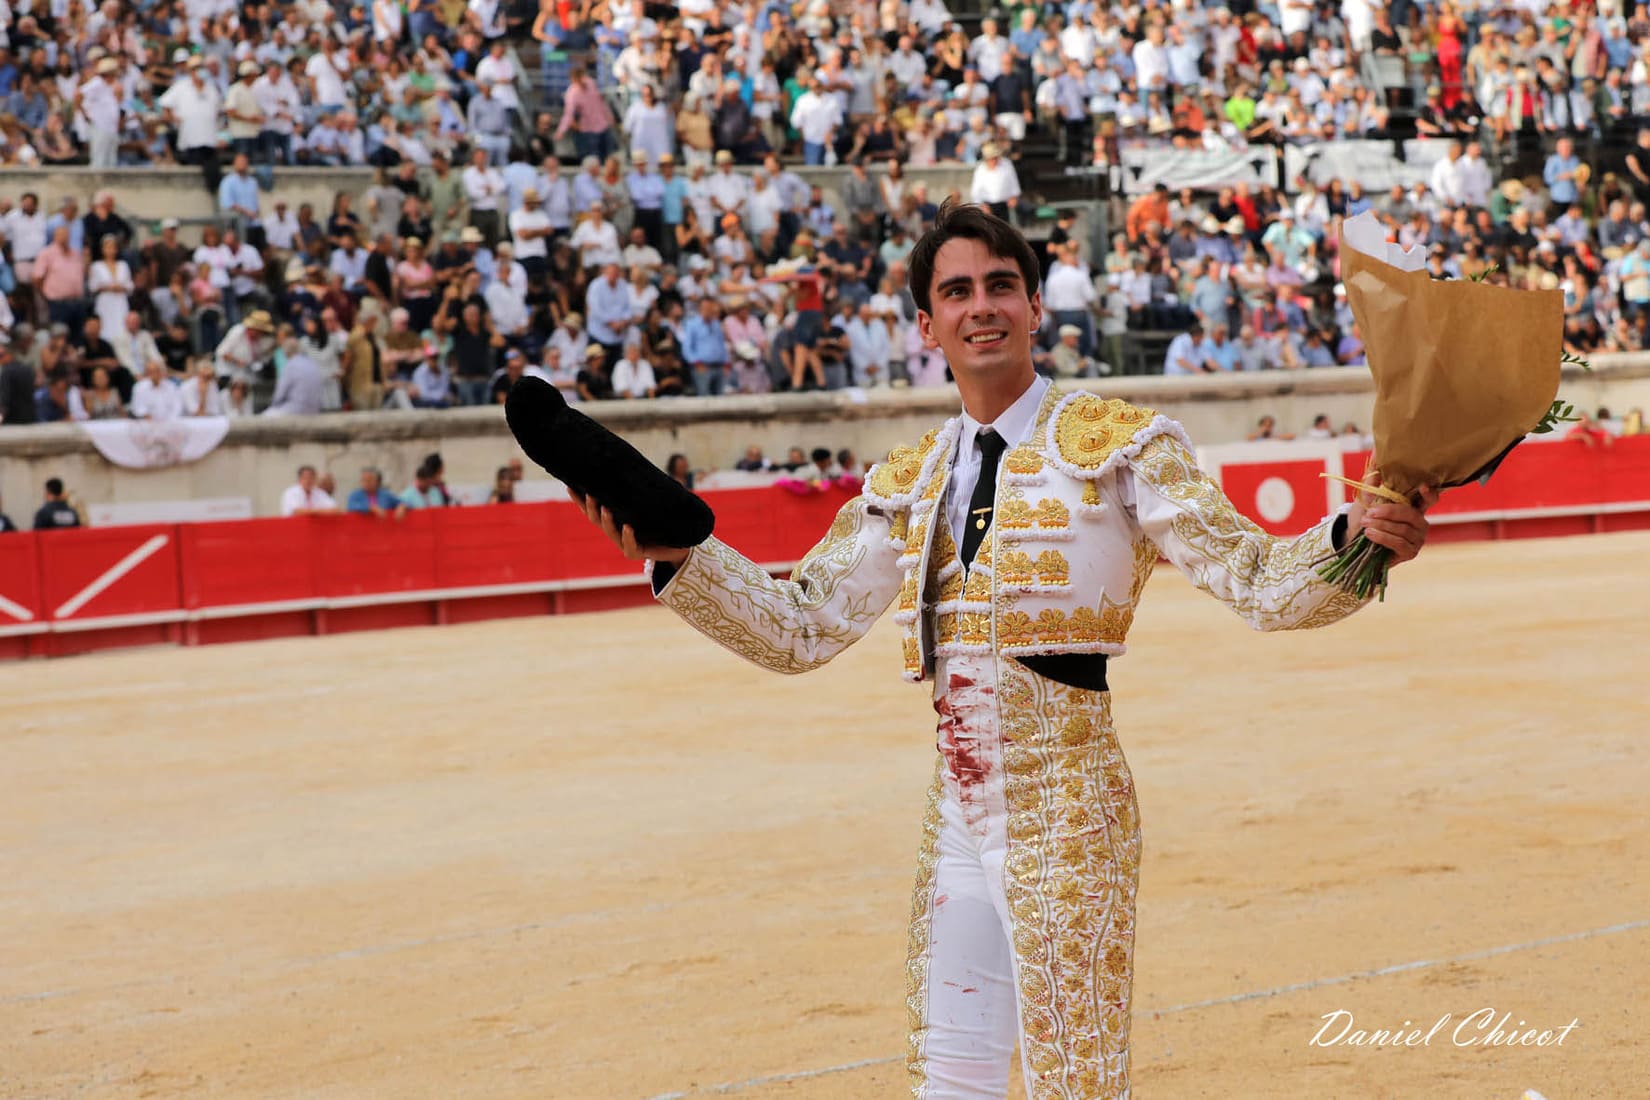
[[1275, 500]]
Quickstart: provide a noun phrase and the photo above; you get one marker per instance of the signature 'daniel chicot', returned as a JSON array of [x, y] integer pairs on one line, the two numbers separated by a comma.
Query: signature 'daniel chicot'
[[1483, 1028]]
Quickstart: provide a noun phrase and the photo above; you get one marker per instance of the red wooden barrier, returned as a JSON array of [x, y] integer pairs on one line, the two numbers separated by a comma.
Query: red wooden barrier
[[22, 616], [72, 591]]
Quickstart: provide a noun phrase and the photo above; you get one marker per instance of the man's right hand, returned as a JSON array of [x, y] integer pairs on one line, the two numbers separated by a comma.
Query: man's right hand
[[625, 539]]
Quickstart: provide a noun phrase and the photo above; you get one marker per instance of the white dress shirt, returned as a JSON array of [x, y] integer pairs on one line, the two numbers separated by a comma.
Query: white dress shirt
[[294, 498], [1014, 425]]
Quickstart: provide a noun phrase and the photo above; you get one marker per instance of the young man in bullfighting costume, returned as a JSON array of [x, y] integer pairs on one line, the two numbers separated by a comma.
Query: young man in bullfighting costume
[[1014, 543]]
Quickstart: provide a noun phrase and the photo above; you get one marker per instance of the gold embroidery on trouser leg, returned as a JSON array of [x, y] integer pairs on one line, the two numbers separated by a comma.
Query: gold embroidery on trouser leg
[[917, 942], [1070, 877]]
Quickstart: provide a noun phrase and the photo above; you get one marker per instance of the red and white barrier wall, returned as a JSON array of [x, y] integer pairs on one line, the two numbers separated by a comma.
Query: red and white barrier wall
[[64, 592]]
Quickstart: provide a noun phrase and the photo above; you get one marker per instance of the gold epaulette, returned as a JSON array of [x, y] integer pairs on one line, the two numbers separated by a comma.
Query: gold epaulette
[[1088, 430]]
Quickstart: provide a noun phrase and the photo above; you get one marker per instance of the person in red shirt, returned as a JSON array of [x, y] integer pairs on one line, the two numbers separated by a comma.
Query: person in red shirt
[[808, 292]]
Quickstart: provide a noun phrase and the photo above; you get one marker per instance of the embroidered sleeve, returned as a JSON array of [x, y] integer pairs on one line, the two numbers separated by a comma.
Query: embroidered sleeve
[[1271, 582], [834, 595]]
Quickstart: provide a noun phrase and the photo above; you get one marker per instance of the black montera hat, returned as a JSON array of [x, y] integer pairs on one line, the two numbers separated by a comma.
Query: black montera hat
[[595, 462]]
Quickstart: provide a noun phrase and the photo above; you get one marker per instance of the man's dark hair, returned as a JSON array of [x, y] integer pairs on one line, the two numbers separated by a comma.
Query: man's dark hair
[[974, 222], [54, 487], [305, 469], [821, 454]]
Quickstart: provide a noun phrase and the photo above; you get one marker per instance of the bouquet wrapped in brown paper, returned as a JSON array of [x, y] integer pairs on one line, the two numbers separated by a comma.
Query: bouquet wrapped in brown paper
[[1463, 372]]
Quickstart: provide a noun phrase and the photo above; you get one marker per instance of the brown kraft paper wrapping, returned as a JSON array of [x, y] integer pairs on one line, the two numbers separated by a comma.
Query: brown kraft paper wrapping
[[1462, 370]]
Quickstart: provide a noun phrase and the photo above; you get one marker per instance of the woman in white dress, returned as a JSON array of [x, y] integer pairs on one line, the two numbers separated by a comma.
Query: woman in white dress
[[110, 282]]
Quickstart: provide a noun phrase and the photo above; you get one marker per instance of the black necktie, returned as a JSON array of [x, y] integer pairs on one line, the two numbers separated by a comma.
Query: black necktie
[[981, 504]]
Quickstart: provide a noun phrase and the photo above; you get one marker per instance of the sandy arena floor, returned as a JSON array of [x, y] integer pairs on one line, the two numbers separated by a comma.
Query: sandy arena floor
[[541, 859]]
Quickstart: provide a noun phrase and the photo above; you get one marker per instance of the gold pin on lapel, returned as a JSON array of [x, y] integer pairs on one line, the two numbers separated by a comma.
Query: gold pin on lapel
[[979, 524]]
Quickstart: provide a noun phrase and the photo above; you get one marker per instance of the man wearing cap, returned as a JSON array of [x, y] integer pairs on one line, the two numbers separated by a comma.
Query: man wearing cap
[[530, 230], [241, 108], [570, 340], [244, 349], [191, 106], [673, 198], [592, 383], [995, 185], [596, 240], [727, 189], [98, 101], [647, 197]]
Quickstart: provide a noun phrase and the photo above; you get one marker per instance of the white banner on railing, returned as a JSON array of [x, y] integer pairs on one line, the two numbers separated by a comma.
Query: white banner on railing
[[1372, 163], [151, 444], [1144, 169]]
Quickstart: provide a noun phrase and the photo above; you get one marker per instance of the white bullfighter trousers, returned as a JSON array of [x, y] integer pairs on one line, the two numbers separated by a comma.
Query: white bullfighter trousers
[[1022, 926]]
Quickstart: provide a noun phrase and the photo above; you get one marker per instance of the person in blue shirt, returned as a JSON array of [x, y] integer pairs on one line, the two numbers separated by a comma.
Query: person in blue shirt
[[424, 492], [372, 499], [238, 198], [1560, 173], [705, 348], [1219, 352]]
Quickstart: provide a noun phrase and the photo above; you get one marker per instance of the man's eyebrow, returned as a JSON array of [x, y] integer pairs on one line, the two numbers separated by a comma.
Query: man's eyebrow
[[964, 280]]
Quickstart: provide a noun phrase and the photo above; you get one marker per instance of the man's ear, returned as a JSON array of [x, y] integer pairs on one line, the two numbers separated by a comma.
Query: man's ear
[[925, 329], [1036, 313]]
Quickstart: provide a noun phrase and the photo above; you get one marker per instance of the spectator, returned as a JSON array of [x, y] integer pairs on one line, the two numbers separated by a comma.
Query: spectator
[[59, 399], [200, 392], [17, 388], [192, 105], [705, 348], [155, 396], [633, 375], [679, 470], [300, 388], [60, 277], [56, 513], [1184, 355], [592, 383], [372, 498], [424, 492], [585, 112], [504, 487], [306, 498]]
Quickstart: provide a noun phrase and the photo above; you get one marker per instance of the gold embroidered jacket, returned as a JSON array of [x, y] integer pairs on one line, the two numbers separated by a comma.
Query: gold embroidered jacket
[[1083, 511]]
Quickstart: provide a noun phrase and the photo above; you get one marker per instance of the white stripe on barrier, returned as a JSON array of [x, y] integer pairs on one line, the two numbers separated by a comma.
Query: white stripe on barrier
[[1556, 512], [16, 610], [110, 576], [115, 622]]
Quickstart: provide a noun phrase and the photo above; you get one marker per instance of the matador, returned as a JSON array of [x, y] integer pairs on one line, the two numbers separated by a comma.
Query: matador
[[1014, 543]]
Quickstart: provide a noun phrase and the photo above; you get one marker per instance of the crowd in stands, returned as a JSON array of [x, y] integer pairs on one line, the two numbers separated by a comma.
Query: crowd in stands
[[645, 234]]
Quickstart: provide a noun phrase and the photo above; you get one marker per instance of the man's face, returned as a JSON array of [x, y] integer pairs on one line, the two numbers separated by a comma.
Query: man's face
[[980, 314], [306, 479]]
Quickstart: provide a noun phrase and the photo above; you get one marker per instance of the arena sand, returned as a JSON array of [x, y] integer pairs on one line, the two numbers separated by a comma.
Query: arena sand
[[598, 857]]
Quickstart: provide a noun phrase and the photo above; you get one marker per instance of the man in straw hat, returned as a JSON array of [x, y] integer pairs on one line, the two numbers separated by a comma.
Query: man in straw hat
[[98, 100], [244, 349], [1022, 928]]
